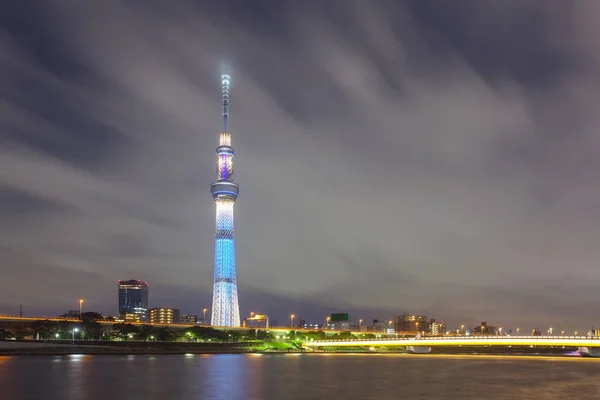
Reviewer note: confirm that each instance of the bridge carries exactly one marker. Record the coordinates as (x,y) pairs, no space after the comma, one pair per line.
(434,341)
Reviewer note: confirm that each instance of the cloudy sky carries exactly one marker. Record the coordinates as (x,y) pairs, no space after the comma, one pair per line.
(421,156)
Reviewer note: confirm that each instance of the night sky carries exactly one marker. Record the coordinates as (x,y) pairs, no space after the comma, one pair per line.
(436,157)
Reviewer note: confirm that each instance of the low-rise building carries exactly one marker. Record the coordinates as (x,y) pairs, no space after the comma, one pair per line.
(189,319)
(164,315)
(437,328)
(339,322)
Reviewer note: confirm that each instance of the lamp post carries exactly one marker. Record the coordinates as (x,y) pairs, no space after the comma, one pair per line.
(562,333)
(75,330)
(80,307)
(390,325)
(327,322)
(359,324)
(204,318)
(292,320)
(518,329)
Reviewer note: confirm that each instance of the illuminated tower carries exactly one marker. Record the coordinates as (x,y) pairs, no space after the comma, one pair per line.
(225,309)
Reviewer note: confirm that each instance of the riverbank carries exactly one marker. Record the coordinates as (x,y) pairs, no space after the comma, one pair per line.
(66,347)
(53,348)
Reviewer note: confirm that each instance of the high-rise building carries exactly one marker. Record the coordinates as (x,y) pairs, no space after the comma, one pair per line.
(411,323)
(164,316)
(225,309)
(133,300)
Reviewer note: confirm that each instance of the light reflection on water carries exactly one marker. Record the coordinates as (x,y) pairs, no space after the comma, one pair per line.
(333,376)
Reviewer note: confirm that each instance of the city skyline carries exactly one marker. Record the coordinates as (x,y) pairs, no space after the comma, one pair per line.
(396,157)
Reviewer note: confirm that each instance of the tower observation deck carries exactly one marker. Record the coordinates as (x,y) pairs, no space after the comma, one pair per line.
(225,308)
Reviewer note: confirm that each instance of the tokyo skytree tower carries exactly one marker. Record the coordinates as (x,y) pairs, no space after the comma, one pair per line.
(225,308)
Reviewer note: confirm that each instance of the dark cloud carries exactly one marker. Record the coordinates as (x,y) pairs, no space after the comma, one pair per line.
(392,156)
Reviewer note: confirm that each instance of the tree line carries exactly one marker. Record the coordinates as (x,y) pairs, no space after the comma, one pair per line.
(90,329)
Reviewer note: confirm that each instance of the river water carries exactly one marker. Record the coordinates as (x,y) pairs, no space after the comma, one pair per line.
(294,377)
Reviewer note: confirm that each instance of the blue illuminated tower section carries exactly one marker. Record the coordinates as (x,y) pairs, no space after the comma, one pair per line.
(225,309)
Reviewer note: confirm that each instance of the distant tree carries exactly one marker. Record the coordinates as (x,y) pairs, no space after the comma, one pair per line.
(91,329)
(344,335)
(250,334)
(369,336)
(164,334)
(43,329)
(5,334)
(264,335)
(64,329)
(205,333)
(234,336)
(20,331)
(145,332)
(314,335)
(125,331)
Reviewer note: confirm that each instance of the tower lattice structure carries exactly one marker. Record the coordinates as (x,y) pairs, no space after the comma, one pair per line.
(225,309)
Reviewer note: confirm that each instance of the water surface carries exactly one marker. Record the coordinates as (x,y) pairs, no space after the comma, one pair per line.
(294,377)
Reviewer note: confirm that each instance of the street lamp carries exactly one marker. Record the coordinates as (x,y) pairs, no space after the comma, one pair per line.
(359,323)
(292,320)
(390,324)
(75,330)
(562,333)
(204,318)
(57,335)
(80,306)
(518,329)
(327,321)
(462,329)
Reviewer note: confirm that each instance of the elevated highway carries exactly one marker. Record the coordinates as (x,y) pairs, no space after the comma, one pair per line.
(433,341)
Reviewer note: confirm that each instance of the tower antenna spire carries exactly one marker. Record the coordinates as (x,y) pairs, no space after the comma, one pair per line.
(225,91)
(225,309)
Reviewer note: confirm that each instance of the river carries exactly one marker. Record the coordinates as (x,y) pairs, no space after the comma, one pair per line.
(295,377)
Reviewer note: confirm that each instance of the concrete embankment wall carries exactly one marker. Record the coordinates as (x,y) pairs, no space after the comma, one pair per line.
(13,344)
(83,347)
